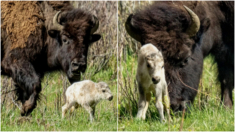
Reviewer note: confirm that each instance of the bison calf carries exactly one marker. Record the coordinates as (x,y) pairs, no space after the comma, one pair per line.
(151,78)
(87,94)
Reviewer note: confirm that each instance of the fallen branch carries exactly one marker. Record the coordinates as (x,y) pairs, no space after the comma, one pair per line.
(15,103)
(8,91)
(182,121)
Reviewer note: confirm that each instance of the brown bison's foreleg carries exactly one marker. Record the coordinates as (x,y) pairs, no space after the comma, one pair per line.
(28,85)
(224,56)
(226,78)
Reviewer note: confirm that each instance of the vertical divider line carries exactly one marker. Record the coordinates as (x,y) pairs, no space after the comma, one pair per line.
(117,64)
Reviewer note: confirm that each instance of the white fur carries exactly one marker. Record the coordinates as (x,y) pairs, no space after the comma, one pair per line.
(151,67)
(87,94)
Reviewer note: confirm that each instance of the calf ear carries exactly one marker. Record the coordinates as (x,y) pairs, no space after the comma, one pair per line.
(148,57)
(94,38)
(53,33)
(97,85)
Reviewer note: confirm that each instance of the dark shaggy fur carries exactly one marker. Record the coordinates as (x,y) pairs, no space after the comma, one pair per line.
(164,24)
(48,50)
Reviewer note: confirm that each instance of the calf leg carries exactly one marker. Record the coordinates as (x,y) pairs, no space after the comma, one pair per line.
(91,111)
(159,105)
(148,98)
(166,101)
(66,107)
(141,103)
(74,107)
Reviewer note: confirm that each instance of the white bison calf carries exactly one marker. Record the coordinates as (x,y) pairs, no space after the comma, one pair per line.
(87,94)
(151,78)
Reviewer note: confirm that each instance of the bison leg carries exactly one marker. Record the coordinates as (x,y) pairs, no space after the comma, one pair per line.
(166,101)
(28,85)
(224,56)
(66,107)
(159,105)
(226,90)
(141,103)
(226,78)
(91,111)
(29,104)
(148,98)
(73,108)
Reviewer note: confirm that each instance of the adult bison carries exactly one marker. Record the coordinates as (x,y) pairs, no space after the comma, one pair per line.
(186,32)
(59,41)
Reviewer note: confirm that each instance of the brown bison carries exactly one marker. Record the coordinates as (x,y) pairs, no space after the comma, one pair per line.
(58,41)
(186,32)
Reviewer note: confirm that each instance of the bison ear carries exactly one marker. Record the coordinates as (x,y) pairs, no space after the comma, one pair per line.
(94,38)
(53,33)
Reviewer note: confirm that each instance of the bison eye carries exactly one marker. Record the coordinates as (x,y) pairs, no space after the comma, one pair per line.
(103,91)
(65,40)
(186,60)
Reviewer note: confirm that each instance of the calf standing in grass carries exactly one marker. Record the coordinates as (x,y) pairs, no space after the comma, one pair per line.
(87,94)
(151,78)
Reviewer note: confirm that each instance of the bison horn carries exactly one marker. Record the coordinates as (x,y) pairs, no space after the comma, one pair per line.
(195,25)
(131,30)
(96,24)
(56,25)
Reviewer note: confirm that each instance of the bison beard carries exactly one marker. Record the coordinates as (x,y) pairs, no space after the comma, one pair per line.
(167,25)
(59,42)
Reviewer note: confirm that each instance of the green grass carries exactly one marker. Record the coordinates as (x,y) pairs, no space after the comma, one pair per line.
(208,119)
(207,114)
(47,115)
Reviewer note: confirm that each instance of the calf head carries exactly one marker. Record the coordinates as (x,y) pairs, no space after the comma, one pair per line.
(155,66)
(104,91)
(73,34)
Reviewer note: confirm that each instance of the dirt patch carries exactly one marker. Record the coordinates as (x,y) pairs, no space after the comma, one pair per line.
(21,120)
(20,20)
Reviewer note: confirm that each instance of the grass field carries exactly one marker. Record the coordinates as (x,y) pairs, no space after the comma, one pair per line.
(47,115)
(206,114)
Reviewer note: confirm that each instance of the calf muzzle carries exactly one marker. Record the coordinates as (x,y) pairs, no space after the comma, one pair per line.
(156,80)
(110,98)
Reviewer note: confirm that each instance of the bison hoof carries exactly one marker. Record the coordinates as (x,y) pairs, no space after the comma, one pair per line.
(163,121)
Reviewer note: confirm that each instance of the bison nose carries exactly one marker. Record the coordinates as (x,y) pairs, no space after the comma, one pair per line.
(76,65)
(155,80)
(110,98)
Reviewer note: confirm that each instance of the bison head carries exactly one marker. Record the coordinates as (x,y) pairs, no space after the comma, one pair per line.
(170,28)
(73,34)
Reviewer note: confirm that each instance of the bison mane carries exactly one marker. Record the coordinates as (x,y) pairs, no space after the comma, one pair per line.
(20,19)
(164,25)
